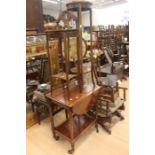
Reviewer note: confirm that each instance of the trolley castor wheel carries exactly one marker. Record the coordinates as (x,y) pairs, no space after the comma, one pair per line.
(56,138)
(97,130)
(72,149)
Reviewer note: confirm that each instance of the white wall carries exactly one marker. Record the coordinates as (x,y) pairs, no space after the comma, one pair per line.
(51,12)
(115,15)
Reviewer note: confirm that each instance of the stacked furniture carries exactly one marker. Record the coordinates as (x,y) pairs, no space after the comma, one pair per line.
(80,84)
(68,89)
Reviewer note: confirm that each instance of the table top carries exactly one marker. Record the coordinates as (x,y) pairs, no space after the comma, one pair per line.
(60,97)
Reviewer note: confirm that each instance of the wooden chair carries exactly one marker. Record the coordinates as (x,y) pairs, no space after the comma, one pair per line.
(110,103)
(111,66)
(41,105)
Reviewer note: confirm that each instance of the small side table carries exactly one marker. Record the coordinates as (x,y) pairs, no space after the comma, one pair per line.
(77,106)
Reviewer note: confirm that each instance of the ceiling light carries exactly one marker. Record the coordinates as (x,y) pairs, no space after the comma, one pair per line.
(50,1)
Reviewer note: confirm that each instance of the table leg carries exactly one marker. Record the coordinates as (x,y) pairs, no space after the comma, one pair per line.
(51,108)
(66,113)
(72,149)
(71,128)
(96,117)
(38,116)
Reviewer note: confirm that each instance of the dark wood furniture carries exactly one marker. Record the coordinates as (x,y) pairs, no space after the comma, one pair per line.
(61,40)
(110,103)
(110,66)
(34,15)
(78,121)
(124,56)
(36,70)
(110,37)
(68,20)
(71,95)
(68,90)
(41,105)
(125,49)
(78,7)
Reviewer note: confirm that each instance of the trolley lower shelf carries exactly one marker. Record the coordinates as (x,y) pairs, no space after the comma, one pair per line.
(80,125)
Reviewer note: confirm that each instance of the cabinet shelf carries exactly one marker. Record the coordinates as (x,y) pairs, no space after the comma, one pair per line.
(36,44)
(35,54)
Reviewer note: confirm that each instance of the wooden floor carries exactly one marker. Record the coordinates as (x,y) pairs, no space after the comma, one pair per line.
(40,141)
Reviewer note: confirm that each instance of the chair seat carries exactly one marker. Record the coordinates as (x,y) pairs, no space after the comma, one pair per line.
(107,68)
(113,106)
(38,96)
(118,66)
(109,80)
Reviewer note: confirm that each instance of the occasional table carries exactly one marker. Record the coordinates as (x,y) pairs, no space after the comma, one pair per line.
(78,120)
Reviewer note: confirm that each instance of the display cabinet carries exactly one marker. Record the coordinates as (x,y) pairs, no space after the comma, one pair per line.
(35,45)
